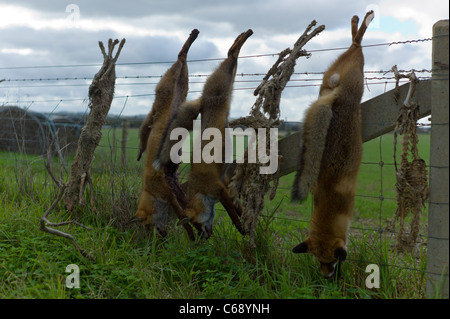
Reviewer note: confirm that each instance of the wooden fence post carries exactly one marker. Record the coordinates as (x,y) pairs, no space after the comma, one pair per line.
(438,222)
(379,115)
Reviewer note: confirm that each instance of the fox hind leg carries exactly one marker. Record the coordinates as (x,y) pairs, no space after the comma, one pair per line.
(354,24)
(362,29)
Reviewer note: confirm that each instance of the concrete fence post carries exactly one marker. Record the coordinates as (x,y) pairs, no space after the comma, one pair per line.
(438,221)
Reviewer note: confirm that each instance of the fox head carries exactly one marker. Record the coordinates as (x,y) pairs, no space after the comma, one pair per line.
(200,212)
(153,214)
(329,254)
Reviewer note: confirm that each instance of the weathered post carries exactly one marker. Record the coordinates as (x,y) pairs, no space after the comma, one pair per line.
(438,222)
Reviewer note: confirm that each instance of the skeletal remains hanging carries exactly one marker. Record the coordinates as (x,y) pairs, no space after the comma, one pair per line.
(247,183)
(412,182)
(101,93)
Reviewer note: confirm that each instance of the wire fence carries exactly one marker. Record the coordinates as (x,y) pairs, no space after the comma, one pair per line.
(244,81)
(31,82)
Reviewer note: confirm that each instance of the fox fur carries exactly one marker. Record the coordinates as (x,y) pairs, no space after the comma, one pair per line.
(206,184)
(161,190)
(331,153)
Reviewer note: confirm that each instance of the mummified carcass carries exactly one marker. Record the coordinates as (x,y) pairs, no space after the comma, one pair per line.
(331,152)
(206,184)
(161,190)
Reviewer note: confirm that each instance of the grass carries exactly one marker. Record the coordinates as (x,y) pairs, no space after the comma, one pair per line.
(134,263)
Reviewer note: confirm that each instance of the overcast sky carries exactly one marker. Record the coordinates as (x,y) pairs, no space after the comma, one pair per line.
(51,40)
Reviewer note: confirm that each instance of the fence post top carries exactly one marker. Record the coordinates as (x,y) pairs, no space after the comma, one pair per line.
(441,24)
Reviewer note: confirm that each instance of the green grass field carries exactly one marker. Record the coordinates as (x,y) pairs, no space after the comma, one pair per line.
(134,263)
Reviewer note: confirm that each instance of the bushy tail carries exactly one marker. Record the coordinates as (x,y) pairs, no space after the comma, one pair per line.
(184,118)
(314,135)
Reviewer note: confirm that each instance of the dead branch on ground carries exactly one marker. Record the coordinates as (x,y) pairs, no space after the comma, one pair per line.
(45,223)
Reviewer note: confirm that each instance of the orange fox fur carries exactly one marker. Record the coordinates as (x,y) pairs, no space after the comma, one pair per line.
(161,190)
(206,183)
(331,154)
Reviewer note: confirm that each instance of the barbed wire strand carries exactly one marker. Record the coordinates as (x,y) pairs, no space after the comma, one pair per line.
(206,59)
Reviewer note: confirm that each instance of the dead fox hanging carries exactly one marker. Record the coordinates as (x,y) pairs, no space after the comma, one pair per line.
(161,190)
(331,152)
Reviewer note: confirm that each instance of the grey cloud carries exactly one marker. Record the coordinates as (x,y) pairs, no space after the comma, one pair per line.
(286,16)
(271,21)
